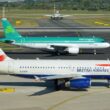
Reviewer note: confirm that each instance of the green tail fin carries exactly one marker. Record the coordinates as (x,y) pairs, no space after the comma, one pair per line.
(9,30)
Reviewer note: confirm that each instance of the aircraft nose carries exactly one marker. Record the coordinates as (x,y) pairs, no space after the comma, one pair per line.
(107,44)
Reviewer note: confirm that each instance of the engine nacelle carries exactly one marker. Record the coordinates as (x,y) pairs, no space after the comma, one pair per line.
(50,48)
(79,83)
(8,41)
(73,50)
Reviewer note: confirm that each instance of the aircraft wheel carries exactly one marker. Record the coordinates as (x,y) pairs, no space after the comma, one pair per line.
(94,52)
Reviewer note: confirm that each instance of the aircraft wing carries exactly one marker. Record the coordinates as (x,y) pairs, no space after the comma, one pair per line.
(66,15)
(52,77)
(48,15)
(64,48)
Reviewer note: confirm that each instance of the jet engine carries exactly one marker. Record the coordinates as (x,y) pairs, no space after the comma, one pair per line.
(73,50)
(8,41)
(79,83)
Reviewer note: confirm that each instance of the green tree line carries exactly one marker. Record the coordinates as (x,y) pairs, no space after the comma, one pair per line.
(61,4)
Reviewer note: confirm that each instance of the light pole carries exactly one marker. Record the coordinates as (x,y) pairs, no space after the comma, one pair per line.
(3,12)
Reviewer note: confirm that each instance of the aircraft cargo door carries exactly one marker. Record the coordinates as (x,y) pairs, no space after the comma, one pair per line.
(10,67)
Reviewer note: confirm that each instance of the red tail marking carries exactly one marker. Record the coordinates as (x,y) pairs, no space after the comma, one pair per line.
(2,57)
(102,64)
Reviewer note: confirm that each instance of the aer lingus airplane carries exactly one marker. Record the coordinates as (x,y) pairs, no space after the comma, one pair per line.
(67,73)
(58,44)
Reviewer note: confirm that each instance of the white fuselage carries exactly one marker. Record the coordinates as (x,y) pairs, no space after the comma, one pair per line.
(56,15)
(67,45)
(56,67)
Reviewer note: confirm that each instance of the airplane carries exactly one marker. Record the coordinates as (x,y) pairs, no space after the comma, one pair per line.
(72,74)
(72,45)
(56,15)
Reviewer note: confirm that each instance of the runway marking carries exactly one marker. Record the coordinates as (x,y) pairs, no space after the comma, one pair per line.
(73,98)
(96,22)
(101,23)
(106,24)
(7,90)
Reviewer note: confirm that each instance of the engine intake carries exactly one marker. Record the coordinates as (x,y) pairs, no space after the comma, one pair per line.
(73,50)
(79,83)
(8,41)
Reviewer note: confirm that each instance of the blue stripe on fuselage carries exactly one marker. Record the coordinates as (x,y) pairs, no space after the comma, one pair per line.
(98,76)
(31,76)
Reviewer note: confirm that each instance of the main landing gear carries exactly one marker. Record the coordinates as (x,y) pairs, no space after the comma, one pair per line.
(94,52)
(59,84)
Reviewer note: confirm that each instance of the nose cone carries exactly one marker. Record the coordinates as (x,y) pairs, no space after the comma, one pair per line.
(107,45)
(104,45)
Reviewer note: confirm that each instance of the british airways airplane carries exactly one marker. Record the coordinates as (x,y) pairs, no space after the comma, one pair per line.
(58,45)
(68,73)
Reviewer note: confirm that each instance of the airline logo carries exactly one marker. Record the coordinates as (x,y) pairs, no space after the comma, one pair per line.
(9,29)
(2,57)
(99,68)
(103,65)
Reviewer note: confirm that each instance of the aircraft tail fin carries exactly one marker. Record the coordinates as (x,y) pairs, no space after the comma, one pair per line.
(9,31)
(3,56)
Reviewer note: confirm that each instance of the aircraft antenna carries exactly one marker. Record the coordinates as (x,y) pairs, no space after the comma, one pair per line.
(93,36)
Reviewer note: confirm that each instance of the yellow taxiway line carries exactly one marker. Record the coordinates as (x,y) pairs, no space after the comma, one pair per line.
(73,98)
(7,90)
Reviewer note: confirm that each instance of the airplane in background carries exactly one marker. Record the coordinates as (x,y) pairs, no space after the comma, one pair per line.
(66,73)
(58,45)
(56,15)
